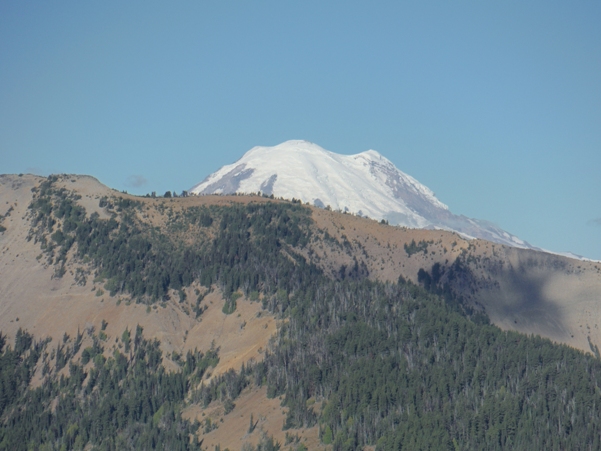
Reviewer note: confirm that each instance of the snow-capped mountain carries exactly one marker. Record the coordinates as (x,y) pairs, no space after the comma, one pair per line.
(365,184)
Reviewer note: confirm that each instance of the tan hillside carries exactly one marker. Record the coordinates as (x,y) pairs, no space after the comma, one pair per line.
(233,429)
(34,299)
(527,291)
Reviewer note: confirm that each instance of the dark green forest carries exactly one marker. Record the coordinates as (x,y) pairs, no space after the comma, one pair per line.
(128,401)
(394,365)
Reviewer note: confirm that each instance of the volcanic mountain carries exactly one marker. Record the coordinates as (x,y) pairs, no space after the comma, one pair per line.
(365,184)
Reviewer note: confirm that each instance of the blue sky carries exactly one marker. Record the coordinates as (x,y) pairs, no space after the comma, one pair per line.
(496,106)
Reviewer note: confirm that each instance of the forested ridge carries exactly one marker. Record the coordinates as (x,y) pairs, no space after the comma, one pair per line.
(370,363)
(128,401)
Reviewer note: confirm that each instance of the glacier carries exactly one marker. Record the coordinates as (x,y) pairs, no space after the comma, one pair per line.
(365,184)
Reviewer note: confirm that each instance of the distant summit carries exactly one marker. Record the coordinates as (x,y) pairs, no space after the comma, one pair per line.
(365,184)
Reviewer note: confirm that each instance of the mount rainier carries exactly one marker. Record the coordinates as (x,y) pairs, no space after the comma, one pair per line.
(365,184)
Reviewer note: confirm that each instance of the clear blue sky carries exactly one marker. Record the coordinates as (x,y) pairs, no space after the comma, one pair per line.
(496,106)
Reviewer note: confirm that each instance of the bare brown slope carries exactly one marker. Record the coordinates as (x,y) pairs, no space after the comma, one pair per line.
(523,290)
(233,429)
(32,297)
(527,291)
(539,293)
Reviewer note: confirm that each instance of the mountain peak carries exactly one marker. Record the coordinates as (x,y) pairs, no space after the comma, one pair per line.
(295,145)
(371,154)
(366,184)
(299,143)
